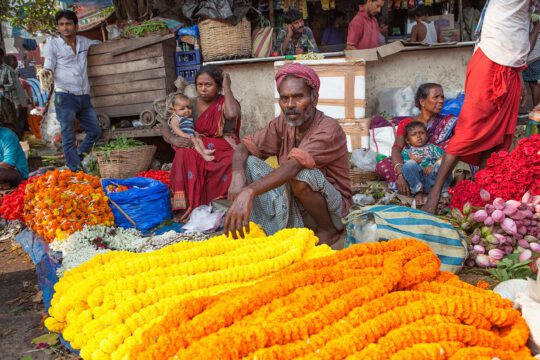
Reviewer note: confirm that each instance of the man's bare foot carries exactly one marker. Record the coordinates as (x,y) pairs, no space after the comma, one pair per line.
(209,151)
(431,203)
(419,199)
(327,236)
(208,157)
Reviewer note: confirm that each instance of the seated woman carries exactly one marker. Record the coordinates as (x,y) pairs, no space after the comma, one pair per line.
(429,99)
(216,114)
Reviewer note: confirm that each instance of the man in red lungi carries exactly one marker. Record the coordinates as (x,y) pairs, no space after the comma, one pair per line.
(488,117)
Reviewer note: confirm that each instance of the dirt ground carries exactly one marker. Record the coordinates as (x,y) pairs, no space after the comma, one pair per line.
(21,308)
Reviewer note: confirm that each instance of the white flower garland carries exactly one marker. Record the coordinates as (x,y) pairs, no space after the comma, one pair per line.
(98,239)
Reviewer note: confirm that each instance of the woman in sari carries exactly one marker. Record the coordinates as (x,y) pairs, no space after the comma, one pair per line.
(216,114)
(429,99)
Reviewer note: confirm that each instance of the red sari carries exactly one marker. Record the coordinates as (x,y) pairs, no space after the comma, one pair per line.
(195,181)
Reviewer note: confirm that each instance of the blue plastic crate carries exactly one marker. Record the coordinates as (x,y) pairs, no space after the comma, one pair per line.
(185,58)
(188,72)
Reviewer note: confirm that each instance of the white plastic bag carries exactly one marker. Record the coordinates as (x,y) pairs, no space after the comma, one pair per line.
(50,126)
(204,219)
(364,159)
(382,139)
(397,102)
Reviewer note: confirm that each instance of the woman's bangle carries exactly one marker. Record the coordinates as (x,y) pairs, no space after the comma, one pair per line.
(396,165)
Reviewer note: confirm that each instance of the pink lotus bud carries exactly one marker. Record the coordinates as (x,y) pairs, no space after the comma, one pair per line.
(498,216)
(509,226)
(535,247)
(499,204)
(501,238)
(482,261)
(492,239)
(530,238)
(475,239)
(508,249)
(510,209)
(479,249)
(536,200)
(523,243)
(522,230)
(537,209)
(527,198)
(525,255)
(489,208)
(489,221)
(518,236)
(485,195)
(480,216)
(497,254)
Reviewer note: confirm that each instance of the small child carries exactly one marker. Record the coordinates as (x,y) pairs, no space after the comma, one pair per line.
(181,124)
(421,161)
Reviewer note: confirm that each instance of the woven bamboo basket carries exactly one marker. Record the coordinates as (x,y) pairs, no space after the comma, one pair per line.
(220,40)
(360,177)
(123,164)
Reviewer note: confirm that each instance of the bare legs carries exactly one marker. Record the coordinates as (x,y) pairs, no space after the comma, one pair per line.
(315,204)
(535,92)
(447,165)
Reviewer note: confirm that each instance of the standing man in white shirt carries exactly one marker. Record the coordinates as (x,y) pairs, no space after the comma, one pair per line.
(488,117)
(66,56)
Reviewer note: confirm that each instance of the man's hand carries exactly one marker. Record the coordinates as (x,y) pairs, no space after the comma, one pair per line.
(238,182)
(427,170)
(238,215)
(226,81)
(289,30)
(403,187)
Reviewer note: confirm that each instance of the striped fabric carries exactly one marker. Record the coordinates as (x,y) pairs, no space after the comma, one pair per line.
(398,221)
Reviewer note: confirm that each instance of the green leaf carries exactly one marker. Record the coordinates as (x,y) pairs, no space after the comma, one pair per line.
(50,338)
(27,357)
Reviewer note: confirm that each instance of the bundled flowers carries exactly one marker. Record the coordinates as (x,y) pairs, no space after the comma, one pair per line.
(59,203)
(12,204)
(116,188)
(376,301)
(503,227)
(83,245)
(507,176)
(160,175)
(103,306)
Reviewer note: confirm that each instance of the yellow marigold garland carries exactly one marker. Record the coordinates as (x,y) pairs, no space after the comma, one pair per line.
(370,301)
(103,306)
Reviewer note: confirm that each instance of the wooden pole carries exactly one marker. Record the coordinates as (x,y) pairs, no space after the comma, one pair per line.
(461,20)
(271,13)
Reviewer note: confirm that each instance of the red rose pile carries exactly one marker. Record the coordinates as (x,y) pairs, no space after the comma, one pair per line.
(507,176)
(13,204)
(160,175)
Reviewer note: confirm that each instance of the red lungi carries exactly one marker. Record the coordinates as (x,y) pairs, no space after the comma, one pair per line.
(488,117)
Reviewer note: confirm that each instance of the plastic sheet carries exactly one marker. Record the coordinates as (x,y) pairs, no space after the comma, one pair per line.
(453,106)
(147,202)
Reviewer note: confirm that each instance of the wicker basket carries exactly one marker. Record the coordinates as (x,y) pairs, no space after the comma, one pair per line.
(123,164)
(220,40)
(359,177)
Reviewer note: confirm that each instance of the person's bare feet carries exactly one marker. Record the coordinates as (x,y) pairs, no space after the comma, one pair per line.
(327,236)
(431,203)
(209,151)
(419,199)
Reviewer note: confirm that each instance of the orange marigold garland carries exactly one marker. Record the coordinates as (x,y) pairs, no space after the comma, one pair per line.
(59,203)
(369,301)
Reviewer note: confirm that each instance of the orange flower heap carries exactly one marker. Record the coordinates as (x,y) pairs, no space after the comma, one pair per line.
(61,202)
(371,301)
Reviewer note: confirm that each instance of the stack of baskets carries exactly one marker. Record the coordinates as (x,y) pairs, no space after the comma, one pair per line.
(360,179)
(126,163)
(220,40)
